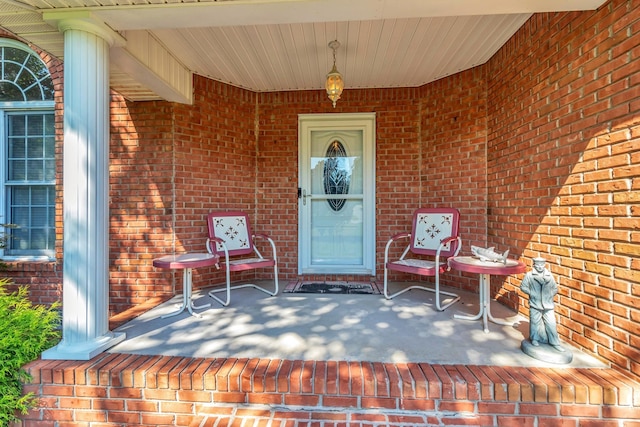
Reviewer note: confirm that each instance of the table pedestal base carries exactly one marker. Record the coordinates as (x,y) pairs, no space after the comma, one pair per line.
(187,303)
(485,307)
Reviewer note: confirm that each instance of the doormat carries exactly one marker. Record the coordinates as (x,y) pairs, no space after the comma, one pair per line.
(302,287)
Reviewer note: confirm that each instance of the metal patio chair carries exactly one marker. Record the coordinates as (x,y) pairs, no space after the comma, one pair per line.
(434,237)
(230,238)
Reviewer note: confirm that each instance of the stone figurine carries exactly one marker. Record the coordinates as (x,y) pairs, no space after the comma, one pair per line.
(489,254)
(541,288)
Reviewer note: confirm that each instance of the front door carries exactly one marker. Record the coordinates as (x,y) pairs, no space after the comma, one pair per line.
(336,194)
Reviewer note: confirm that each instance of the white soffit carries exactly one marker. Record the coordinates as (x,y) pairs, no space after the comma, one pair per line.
(280,45)
(181,14)
(373,54)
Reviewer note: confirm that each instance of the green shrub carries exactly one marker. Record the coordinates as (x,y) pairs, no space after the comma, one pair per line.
(26,331)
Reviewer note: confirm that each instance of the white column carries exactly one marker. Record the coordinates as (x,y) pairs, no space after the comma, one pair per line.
(85,281)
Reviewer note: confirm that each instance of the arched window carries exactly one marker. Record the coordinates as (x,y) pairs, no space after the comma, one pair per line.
(27,152)
(23,77)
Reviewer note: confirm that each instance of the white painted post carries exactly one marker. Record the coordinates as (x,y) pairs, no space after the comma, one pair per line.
(85,323)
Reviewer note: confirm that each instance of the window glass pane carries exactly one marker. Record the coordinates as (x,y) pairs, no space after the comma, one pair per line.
(19,239)
(15,55)
(26,79)
(20,195)
(39,196)
(35,148)
(20,217)
(10,92)
(37,67)
(17,125)
(49,170)
(47,89)
(49,123)
(49,146)
(11,71)
(51,194)
(17,148)
(35,124)
(39,217)
(35,170)
(38,238)
(33,93)
(17,170)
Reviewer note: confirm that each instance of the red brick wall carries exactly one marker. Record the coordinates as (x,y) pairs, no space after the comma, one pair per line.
(560,141)
(564,169)
(215,160)
(453,155)
(170,165)
(136,390)
(142,200)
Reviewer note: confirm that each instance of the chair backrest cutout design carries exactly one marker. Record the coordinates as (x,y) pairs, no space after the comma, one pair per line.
(430,227)
(234,229)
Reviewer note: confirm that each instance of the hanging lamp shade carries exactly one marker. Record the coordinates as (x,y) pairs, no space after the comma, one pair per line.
(335,83)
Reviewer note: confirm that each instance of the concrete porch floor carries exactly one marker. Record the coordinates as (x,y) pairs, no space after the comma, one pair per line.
(342,327)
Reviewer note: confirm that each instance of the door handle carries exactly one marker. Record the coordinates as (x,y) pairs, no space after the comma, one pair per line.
(304,197)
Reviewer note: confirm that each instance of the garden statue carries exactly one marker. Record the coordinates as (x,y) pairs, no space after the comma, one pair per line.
(543,342)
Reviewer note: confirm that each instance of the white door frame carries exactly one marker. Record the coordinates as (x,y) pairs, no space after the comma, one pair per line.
(307,123)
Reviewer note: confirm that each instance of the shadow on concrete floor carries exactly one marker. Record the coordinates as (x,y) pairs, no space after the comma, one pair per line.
(348,327)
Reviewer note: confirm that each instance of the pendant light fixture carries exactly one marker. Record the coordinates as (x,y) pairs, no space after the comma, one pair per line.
(335,83)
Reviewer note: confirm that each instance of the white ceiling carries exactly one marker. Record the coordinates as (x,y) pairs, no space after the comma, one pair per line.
(373,53)
(280,45)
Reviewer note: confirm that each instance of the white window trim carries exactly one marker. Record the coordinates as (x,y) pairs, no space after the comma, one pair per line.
(3,194)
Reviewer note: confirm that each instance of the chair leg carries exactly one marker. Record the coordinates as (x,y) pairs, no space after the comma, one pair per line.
(386,287)
(437,291)
(275,279)
(229,288)
(456,297)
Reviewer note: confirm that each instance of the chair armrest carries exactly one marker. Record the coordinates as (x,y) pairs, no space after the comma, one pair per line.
(214,239)
(400,236)
(213,252)
(449,239)
(444,242)
(393,239)
(267,238)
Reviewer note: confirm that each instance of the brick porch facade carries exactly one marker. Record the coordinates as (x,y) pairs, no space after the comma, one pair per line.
(538,148)
(131,390)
